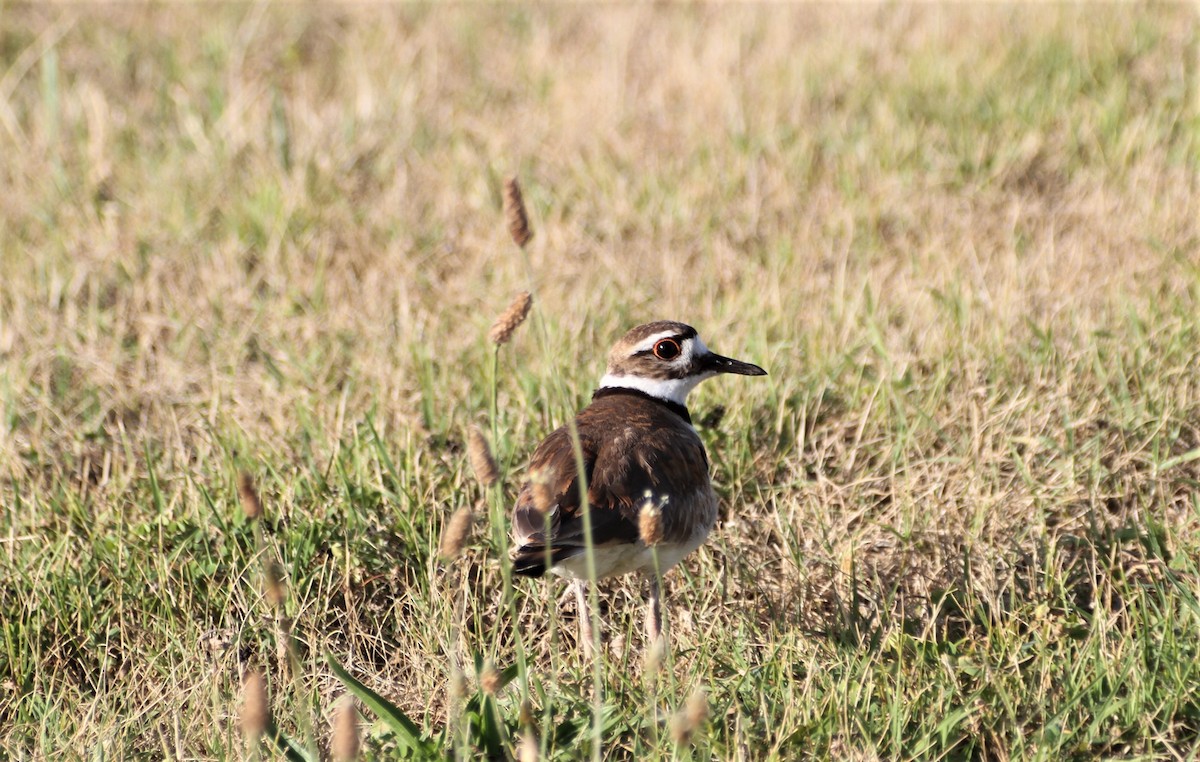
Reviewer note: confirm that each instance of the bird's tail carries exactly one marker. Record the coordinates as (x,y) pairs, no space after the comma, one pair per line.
(530,560)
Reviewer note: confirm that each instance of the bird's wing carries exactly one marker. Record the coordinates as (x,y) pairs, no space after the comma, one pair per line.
(621,471)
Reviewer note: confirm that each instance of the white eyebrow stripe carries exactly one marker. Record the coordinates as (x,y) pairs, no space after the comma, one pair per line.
(649,342)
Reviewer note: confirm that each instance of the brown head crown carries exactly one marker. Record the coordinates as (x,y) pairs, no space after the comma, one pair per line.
(666,360)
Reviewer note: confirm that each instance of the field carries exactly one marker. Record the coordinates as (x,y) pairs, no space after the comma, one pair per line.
(960,517)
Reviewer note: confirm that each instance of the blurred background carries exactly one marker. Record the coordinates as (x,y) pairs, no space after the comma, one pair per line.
(262,238)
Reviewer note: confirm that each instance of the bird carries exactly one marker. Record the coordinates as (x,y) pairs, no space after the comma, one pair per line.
(642,464)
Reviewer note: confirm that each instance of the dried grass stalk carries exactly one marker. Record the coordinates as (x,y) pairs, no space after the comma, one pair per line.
(482,462)
(505,325)
(514,213)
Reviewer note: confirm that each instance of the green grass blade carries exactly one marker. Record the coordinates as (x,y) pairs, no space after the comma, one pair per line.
(289,748)
(406,730)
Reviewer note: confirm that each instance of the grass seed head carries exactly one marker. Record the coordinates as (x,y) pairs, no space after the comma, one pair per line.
(650,524)
(525,717)
(528,750)
(691,718)
(543,493)
(505,325)
(482,462)
(456,533)
(284,644)
(514,213)
(489,679)
(456,688)
(251,503)
(655,653)
(697,707)
(345,743)
(274,586)
(256,714)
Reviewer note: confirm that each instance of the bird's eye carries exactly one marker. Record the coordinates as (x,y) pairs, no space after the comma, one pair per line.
(667,349)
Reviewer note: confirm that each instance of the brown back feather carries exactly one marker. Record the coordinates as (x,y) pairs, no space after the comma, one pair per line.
(631,446)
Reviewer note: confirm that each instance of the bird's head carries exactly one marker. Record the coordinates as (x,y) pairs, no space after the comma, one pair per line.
(667,360)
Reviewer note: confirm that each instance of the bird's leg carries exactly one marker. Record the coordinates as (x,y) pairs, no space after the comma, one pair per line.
(585,617)
(653,610)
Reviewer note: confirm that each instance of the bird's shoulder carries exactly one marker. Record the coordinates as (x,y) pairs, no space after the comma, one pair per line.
(643,446)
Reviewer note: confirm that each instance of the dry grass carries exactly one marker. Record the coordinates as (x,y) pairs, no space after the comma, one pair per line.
(960,517)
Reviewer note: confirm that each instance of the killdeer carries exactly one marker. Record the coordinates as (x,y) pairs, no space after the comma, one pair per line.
(638,449)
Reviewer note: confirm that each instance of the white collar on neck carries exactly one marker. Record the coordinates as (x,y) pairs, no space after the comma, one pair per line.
(670,389)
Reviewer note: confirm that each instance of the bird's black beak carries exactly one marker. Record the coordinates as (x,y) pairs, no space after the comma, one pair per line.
(719,364)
